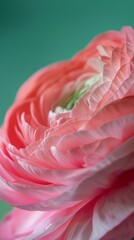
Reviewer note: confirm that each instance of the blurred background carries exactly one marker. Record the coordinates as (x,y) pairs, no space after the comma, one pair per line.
(35,33)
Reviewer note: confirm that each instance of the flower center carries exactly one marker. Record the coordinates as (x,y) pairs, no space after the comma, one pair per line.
(70,101)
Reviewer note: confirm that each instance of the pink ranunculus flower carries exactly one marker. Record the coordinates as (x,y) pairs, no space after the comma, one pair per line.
(67,146)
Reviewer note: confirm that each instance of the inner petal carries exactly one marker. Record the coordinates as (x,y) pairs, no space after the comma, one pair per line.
(77,93)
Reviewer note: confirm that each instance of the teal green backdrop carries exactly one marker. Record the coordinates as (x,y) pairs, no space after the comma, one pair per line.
(35,33)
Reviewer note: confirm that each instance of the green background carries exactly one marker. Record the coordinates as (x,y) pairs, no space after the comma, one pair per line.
(34,33)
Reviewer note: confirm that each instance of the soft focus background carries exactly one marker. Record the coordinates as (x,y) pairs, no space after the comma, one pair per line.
(35,33)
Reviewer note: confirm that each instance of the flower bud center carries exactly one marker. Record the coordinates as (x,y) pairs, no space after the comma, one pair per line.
(71,100)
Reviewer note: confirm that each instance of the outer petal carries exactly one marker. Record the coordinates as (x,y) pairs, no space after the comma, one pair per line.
(28,225)
(103,218)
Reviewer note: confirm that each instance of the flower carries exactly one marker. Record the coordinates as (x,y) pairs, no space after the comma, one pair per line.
(66,147)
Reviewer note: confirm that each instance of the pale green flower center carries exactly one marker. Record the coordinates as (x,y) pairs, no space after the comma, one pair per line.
(71,100)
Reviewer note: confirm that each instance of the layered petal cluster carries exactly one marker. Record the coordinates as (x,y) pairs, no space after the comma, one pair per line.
(67,147)
(107,217)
